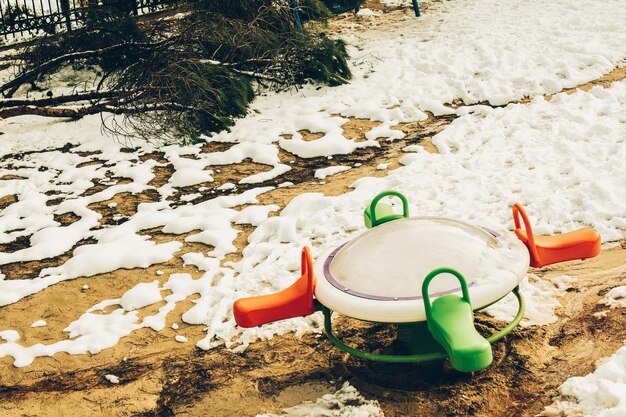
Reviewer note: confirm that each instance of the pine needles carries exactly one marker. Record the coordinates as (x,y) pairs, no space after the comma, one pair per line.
(179,78)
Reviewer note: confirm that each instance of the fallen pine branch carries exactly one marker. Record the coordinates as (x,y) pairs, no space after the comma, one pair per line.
(64,99)
(77,113)
(32,74)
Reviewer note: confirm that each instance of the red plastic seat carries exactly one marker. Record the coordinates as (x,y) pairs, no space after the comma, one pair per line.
(294,301)
(546,250)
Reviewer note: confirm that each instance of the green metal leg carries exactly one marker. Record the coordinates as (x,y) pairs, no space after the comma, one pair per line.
(512,325)
(375,356)
(412,336)
(415,339)
(296,13)
(416,8)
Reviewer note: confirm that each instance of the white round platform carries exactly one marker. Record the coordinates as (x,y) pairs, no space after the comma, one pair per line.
(378,276)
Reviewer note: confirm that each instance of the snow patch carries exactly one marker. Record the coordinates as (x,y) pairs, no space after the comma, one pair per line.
(367,12)
(601,393)
(140,296)
(10,336)
(112,379)
(541,296)
(346,402)
(327,172)
(616,298)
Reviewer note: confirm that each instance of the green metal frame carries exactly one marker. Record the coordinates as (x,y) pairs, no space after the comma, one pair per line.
(371,210)
(415,331)
(431,276)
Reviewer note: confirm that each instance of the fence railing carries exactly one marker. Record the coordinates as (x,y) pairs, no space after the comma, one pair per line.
(22,18)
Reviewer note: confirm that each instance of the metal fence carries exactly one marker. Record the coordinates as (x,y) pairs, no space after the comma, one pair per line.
(21,18)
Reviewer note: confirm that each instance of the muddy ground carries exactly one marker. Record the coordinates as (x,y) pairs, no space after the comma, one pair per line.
(159,376)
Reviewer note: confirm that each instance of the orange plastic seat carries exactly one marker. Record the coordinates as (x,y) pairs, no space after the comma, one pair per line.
(294,301)
(545,250)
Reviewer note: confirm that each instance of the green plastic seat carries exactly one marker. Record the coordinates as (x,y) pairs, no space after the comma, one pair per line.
(383,213)
(450,320)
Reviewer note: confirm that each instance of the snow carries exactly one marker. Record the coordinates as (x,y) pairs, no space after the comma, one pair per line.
(227,186)
(187,176)
(328,171)
(542,299)
(599,394)
(90,333)
(367,12)
(39,323)
(615,298)
(89,260)
(346,402)
(190,197)
(140,296)
(563,160)
(181,339)
(10,336)
(112,379)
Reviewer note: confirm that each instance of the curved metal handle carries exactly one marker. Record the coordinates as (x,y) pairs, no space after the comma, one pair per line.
(431,276)
(374,203)
(518,211)
(306,268)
